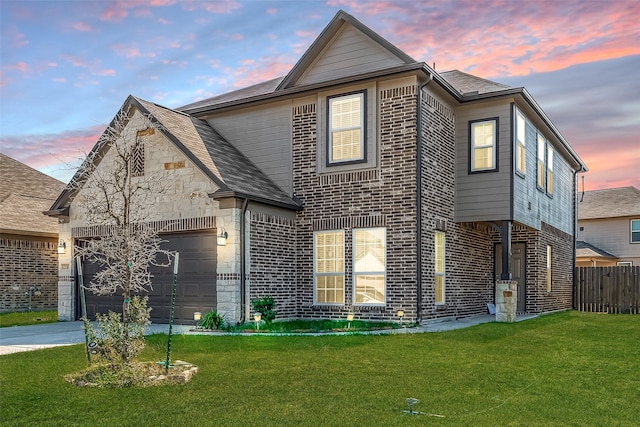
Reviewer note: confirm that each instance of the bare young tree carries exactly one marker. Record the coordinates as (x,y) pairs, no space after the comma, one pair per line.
(115,195)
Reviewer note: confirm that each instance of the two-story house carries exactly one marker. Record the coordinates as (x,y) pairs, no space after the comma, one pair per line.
(609,228)
(362,182)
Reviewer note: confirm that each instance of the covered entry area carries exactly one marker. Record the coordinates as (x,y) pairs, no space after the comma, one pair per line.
(196,290)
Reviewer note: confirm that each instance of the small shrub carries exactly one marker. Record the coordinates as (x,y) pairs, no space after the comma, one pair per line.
(116,343)
(211,320)
(265,306)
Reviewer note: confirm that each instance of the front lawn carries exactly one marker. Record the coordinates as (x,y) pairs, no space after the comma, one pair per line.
(22,318)
(564,369)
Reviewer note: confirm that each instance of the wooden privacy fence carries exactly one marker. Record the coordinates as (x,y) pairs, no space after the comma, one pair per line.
(607,289)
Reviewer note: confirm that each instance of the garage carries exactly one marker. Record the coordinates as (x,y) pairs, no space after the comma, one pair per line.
(196,284)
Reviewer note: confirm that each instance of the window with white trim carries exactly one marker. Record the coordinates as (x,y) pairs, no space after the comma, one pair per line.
(483,145)
(635,231)
(328,267)
(521,157)
(541,164)
(346,129)
(548,275)
(369,265)
(624,264)
(549,169)
(439,245)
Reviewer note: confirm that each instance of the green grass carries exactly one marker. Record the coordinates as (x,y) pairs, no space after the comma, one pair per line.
(566,369)
(27,318)
(312,326)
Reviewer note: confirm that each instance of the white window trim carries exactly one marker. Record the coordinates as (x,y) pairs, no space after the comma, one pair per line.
(631,231)
(316,274)
(541,144)
(442,274)
(364,273)
(549,169)
(624,264)
(521,143)
(493,145)
(362,127)
(548,274)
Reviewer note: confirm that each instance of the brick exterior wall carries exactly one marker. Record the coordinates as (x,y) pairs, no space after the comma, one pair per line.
(28,262)
(468,250)
(381,197)
(272,265)
(538,300)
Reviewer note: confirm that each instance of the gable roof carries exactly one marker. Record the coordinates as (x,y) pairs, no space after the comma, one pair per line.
(587,250)
(610,203)
(233,173)
(25,194)
(326,37)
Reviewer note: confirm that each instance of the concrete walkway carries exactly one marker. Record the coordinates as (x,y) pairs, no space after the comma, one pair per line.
(34,337)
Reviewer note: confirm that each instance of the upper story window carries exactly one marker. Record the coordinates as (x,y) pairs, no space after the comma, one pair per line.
(541,164)
(328,267)
(549,169)
(346,129)
(369,265)
(521,158)
(483,145)
(635,231)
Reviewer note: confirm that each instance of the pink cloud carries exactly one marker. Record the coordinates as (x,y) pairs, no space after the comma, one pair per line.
(272,11)
(82,26)
(94,66)
(38,151)
(19,66)
(130,51)
(14,38)
(521,37)
(59,80)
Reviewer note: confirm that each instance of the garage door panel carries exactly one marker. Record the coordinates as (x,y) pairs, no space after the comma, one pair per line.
(196,284)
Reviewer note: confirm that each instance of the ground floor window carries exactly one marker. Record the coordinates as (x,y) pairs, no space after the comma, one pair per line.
(548,268)
(328,267)
(439,244)
(369,265)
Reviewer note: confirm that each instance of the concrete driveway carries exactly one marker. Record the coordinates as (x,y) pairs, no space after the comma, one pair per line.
(34,337)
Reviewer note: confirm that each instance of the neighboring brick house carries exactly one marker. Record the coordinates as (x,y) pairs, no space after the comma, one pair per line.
(609,228)
(28,239)
(362,182)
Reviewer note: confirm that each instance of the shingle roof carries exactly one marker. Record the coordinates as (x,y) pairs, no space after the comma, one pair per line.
(610,203)
(587,250)
(233,173)
(467,83)
(24,194)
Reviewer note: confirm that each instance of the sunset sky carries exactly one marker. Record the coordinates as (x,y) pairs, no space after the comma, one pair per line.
(67,66)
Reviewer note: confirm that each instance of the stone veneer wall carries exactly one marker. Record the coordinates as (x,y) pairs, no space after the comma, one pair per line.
(26,262)
(468,250)
(381,197)
(538,300)
(272,266)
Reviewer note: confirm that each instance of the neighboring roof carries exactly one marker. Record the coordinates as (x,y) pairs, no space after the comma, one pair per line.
(233,173)
(610,203)
(25,194)
(468,84)
(586,250)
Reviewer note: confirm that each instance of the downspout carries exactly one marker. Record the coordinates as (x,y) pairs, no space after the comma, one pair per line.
(419,199)
(575,236)
(243,271)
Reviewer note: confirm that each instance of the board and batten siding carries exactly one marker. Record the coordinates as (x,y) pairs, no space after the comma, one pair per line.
(484,196)
(263,134)
(532,206)
(349,53)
